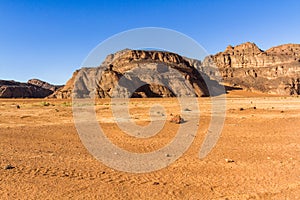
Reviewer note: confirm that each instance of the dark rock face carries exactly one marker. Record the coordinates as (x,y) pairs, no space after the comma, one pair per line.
(32,89)
(139,73)
(274,71)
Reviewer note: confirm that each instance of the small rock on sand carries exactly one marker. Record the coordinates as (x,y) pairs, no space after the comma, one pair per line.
(7,167)
(177,119)
(229,160)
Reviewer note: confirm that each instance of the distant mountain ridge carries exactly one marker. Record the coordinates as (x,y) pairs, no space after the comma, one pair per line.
(34,88)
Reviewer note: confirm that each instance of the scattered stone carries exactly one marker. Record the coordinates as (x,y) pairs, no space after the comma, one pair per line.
(8,167)
(254,107)
(186,109)
(18,107)
(229,160)
(24,116)
(168,155)
(177,119)
(241,109)
(45,103)
(156,183)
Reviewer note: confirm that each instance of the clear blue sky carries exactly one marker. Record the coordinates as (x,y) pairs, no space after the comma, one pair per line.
(50,39)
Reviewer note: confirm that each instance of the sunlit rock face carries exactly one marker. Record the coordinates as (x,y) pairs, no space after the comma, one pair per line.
(140,73)
(275,71)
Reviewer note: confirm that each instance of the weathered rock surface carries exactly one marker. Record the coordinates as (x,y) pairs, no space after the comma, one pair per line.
(274,71)
(43,84)
(65,92)
(139,73)
(32,89)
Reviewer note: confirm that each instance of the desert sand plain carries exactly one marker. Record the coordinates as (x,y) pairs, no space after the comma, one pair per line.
(40,142)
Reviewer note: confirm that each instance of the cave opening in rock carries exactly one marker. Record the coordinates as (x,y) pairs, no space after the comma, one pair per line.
(152,91)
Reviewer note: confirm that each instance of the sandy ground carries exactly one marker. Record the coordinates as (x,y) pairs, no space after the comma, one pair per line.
(41,142)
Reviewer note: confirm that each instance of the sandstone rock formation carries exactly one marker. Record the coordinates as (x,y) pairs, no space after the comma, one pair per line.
(32,89)
(65,92)
(43,84)
(274,71)
(139,73)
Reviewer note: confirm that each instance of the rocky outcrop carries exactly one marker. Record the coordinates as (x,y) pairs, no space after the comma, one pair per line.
(274,71)
(43,84)
(32,89)
(65,92)
(139,73)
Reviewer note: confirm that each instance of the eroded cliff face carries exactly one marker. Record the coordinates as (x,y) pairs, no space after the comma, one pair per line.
(274,71)
(43,84)
(139,73)
(65,92)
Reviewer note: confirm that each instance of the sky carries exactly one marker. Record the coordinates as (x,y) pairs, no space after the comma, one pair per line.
(49,40)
